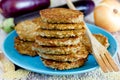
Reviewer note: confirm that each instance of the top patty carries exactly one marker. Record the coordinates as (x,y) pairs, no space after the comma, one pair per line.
(61,15)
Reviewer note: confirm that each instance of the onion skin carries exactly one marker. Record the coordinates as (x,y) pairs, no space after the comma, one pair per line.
(107,15)
(14,8)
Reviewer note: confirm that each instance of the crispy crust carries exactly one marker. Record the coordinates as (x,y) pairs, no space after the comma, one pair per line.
(26,30)
(60,34)
(57,42)
(63,65)
(65,57)
(44,25)
(61,15)
(101,38)
(24,47)
(59,50)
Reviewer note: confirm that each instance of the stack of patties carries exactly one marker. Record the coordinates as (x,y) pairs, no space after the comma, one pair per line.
(59,38)
(26,31)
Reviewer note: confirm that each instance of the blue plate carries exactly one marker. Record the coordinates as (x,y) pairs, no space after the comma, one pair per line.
(35,64)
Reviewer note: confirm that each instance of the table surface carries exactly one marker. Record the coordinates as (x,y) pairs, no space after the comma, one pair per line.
(87,76)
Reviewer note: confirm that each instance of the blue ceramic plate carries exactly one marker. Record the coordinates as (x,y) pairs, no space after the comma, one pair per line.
(35,64)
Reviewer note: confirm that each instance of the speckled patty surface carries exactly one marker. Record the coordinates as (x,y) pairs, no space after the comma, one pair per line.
(58,42)
(65,57)
(24,47)
(60,34)
(64,26)
(61,15)
(26,30)
(73,49)
(63,65)
(101,38)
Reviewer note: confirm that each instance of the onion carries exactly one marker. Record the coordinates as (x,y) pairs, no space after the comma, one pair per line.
(107,15)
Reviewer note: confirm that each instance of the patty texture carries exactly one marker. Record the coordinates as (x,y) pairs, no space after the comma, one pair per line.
(24,47)
(57,42)
(73,49)
(101,38)
(60,34)
(26,30)
(82,54)
(63,65)
(61,15)
(50,26)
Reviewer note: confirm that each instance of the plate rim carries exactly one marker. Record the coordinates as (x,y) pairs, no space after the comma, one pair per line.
(58,73)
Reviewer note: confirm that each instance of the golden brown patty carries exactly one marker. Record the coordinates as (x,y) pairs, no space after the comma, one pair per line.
(26,30)
(65,57)
(57,42)
(61,15)
(63,65)
(59,50)
(60,34)
(44,25)
(24,47)
(101,38)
